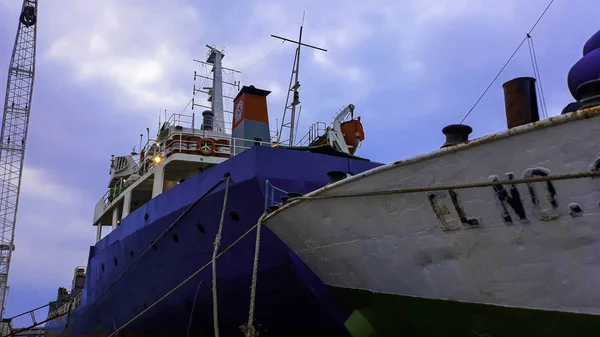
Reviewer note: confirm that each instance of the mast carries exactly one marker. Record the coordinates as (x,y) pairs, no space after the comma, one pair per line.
(214,58)
(13,137)
(293,89)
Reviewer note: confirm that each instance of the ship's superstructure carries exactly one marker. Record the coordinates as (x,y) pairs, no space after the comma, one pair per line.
(184,145)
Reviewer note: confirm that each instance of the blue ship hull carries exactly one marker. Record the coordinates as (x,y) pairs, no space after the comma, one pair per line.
(290,299)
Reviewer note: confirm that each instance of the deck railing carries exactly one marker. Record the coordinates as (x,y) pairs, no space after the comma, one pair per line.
(315,131)
(167,147)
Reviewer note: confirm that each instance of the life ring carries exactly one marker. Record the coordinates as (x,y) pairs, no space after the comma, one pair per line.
(206,146)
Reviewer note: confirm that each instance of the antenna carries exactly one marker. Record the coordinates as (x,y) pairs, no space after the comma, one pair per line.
(141,149)
(293,88)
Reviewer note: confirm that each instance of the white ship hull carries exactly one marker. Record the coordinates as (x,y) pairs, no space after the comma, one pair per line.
(416,244)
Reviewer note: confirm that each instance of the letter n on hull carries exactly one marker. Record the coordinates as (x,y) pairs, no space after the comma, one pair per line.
(510,198)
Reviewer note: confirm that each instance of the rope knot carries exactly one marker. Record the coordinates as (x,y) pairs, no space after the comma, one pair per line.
(249,331)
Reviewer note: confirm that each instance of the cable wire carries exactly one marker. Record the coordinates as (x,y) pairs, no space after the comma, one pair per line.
(536,71)
(507,62)
(263,58)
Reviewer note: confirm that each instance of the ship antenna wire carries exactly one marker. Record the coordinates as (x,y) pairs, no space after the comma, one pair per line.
(507,62)
(263,58)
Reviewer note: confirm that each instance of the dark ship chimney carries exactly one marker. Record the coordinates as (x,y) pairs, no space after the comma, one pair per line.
(207,120)
(456,134)
(520,101)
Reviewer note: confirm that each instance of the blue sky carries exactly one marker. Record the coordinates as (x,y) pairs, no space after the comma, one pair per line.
(105,68)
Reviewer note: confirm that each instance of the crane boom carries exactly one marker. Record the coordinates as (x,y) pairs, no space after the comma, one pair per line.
(13,137)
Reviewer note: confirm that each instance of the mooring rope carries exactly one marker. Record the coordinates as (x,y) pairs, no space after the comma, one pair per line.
(185,212)
(184,281)
(250,331)
(579,175)
(217,244)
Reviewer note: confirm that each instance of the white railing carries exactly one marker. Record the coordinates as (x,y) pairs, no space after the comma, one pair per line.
(186,121)
(195,121)
(170,146)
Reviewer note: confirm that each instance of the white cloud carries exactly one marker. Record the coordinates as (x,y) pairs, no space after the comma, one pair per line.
(12,7)
(48,247)
(53,231)
(140,51)
(350,73)
(143,50)
(277,91)
(42,186)
(555,101)
(437,11)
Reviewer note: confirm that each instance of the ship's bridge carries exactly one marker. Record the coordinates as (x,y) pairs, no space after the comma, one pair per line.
(180,150)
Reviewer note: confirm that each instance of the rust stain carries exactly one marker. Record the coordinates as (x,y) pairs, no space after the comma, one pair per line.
(548,217)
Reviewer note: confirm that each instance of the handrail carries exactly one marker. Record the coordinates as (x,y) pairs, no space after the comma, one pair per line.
(270,190)
(316,130)
(6,323)
(154,147)
(191,122)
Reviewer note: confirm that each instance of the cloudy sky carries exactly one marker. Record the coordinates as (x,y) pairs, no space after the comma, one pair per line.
(105,68)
